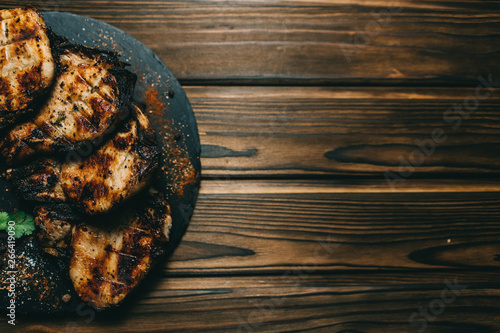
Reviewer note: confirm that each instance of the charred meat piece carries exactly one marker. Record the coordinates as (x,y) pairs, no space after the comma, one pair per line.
(55,225)
(96,184)
(27,66)
(39,181)
(84,104)
(120,169)
(107,259)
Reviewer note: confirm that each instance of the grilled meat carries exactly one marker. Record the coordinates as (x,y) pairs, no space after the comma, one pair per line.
(84,104)
(27,66)
(38,181)
(107,258)
(120,169)
(116,171)
(55,225)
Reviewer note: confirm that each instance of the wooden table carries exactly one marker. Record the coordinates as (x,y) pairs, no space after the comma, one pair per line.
(350,167)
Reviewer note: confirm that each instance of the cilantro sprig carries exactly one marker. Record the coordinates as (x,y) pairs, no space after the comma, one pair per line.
(24,223)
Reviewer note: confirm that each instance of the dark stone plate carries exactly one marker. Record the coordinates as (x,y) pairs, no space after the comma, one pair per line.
(175,127)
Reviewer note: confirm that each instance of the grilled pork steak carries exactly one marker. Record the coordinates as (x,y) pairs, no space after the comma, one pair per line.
(27,66)
(107,259)
(83,105)
(55,225)
(116,171)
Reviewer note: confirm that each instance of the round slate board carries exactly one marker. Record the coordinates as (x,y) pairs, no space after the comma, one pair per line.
(170,114)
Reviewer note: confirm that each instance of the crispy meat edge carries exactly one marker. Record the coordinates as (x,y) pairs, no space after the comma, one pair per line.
(11,119)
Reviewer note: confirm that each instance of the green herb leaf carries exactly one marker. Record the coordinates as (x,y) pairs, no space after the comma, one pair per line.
(24,223)
(4,218)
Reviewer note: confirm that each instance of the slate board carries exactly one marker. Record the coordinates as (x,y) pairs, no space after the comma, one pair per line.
(178,114)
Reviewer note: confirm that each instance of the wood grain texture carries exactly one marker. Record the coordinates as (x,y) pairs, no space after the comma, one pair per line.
(319,303)
(333,131)
(264,233)
(314,42)
(363,185)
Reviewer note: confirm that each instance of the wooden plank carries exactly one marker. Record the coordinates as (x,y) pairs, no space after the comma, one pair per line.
(324,303)
(330,186)
(272,231)
(304,131)
(314,42)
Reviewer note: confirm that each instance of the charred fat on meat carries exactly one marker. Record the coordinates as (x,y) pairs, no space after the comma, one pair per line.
(83,105)
(27,66)
(116,171)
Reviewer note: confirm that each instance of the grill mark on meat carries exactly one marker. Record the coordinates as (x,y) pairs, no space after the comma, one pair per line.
(112,174)
(122,142)
(16,44)
(81,110)
(27,63)
(93,190)
(39,181)
(14,50)
(45,129)
(4,87)
(23,35)
(88,124)
(100,159)
(31,80)
(14,34)
(81,80)
(84,125)
(108,79)
(99,106)
(126,267)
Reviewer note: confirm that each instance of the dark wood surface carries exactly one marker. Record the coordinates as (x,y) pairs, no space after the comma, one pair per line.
(302,121)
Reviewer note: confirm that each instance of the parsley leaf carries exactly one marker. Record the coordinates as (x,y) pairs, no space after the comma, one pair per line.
(24,223)
(4,218)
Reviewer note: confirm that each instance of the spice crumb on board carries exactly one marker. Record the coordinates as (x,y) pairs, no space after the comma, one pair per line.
(176,162)
(154,105)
